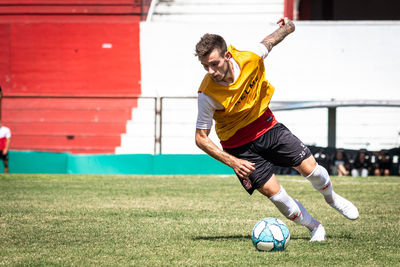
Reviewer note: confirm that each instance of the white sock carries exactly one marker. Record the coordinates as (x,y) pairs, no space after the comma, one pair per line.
(321,181)
(306,219)
(293,210)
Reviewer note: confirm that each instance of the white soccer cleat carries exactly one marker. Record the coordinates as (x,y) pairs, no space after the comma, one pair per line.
(345,207)
(318,234)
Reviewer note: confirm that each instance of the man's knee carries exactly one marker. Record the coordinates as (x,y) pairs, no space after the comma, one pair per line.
(307,166)
(319,178)
(271,187)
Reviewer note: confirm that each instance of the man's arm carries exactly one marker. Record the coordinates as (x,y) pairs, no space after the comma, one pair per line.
(286,27)
(242,168)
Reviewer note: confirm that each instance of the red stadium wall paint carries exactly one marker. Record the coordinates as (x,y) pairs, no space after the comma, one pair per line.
(74,7)
(86,56)
(76,125)
(70,59)
(288,9)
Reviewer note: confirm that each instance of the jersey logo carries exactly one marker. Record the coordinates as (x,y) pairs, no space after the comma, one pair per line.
(247,91)
(247,184)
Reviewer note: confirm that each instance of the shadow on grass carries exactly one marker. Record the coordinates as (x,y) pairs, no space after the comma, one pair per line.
(222,237)
(237,237)
(347,236)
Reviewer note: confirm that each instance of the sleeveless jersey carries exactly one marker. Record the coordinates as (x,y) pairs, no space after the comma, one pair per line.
(245,100)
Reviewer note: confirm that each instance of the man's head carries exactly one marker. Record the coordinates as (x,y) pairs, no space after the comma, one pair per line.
(208,43)
(213,55)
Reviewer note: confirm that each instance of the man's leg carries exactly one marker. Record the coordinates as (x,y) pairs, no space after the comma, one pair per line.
(319,178)
(4,157)
(292,209)
(5,166)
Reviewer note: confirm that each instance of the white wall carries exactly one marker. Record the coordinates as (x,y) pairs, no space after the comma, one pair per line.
(319,61)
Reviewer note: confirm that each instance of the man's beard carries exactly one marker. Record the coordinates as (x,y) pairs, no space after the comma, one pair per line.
(223,77)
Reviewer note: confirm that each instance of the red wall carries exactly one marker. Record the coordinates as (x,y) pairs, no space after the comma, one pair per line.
(69,56)
(85,125)
(74,7)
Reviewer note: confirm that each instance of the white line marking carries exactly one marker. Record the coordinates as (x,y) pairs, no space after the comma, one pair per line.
(340,182)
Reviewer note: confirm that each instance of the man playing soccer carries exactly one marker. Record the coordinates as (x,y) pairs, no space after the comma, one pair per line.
(236,95)
(5,138)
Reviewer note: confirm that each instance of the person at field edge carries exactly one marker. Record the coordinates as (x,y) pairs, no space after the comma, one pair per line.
(340,164)
(5,139)
(235,93)
(383,164)
(362,165)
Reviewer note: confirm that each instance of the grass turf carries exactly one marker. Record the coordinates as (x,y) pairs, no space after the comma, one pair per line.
(186,220)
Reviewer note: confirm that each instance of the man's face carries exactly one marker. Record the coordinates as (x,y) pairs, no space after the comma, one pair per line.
(217,66)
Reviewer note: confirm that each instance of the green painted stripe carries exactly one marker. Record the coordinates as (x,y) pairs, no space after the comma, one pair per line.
(49,162)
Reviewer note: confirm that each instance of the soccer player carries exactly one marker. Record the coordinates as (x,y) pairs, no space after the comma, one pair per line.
(235,93)
(5,138)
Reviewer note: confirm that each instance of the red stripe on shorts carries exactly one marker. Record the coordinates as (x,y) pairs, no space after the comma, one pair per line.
(252,131)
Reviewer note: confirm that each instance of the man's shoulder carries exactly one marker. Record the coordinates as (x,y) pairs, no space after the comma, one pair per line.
(254,52)
(205,83)
(234,51)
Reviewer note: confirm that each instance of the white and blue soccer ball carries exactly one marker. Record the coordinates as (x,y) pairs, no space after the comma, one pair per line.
(270,234)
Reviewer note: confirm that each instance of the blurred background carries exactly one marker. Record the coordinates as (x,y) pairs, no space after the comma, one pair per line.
(119,77)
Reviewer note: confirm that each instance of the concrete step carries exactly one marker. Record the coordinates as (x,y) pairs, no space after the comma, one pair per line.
(270,18)
(135,150)
(142,116)
(225,2)
(140,129)
(218,9)
(129,141)
(136,145)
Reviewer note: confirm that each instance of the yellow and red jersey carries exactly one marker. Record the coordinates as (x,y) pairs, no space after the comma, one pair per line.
(245,101)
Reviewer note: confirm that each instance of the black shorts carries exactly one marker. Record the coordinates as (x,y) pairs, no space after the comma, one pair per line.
(3,157)
(277,147)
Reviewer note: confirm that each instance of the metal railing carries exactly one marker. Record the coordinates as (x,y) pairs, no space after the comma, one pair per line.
(174,117)
(155,99)
(332,106)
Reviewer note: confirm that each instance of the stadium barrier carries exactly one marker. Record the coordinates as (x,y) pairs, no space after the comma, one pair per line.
(163,164)
(67,163)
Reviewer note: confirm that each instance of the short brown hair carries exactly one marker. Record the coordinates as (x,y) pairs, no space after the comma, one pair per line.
(208,43)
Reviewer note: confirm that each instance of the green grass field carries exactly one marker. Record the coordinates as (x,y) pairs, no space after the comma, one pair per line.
(52,220)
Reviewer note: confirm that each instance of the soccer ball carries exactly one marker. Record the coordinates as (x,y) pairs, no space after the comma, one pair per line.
(270,234)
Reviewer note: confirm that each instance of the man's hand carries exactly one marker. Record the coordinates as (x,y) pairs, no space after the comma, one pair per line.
(242,168)
(287,23)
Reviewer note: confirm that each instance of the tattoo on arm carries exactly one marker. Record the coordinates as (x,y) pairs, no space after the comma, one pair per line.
(268,44)
(277,36)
